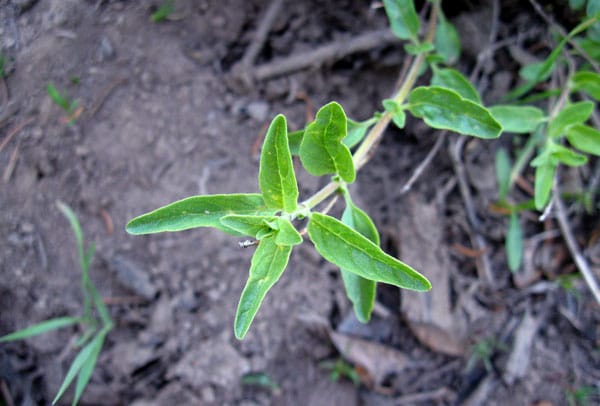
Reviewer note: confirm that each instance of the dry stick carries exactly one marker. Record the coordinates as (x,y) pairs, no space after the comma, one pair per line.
(261,34)
(436,396)
(105,95)
(4,90)
(332,51)
(12,162)
(15,131)
(6,393)
(538,9)
(580,261)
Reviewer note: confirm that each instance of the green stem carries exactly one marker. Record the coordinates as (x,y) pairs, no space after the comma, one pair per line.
(362,154)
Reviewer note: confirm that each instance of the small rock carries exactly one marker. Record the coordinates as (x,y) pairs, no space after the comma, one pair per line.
(258,110)
(105,51)
(133,276)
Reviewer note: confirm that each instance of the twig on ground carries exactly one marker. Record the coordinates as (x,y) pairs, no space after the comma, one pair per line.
(333,51)
(436,396)
(12,162)
(4,88)
(484,266)
(15,131)
(6,396)
(550,21)
(580,261)
(108,223)
(424,163)
(261,33)
(105,95)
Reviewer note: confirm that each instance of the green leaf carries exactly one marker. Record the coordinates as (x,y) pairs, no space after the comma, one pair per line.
(359,290)
(397,111)
(79,361)
(58,98)
(590,47)
(418,48)
(588,82)
(356,132)
(276,176)
(576,113)
(321,150)
(268,263)
(502,173)
(76,227)
(584,138)
(287,233)
(454,80)
(88,367)
(518,119)
(445,109)
(40,328)
(514,243)
(198,211)
(295,139)
(248,225)
(592,10)
(403,18)
(346,248)
(566,156)
(544,178)
(166,9)
(447,41)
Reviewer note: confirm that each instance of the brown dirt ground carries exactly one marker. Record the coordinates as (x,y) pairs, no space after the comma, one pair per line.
(162,120)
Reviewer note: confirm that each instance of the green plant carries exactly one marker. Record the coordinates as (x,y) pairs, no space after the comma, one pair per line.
(274,216)
(581,396)
(483,351)
(558,135)
(63,101)
(2,66)
(95,320)
(341,369)
(163,11)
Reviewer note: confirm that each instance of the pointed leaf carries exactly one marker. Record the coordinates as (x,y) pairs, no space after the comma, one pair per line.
(40,328)
(83,355)
(359,290)
(268,263)
(566,156)
(588,82)
(576,113)
(404,21)
(88,367)
(514,243)
(57,98)
(447,41)
(348,249)
(276,176)
(418,48)
(287,233)
(322,151)
(75,226)
(198,211)
(544,178)
(248,225)
(397,111)
(356,132)
(445,109)
(584,138)
(518,119)
(502,173)
(454,80)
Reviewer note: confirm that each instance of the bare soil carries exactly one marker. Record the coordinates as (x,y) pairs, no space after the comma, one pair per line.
(165,116)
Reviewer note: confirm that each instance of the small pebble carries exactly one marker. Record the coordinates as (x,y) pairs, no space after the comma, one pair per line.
(258,110)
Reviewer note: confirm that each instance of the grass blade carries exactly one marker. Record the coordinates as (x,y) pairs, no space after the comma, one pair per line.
(40,328)
(88,367)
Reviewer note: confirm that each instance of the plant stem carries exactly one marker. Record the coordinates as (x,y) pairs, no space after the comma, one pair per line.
(362,154)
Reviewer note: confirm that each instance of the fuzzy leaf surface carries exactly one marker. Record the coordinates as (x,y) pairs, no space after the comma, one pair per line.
(517,119)
(248,225)
(268,263)
(276,177)
(514,243)
(576,113)
(584,138)
(454,80)
(587,81)
(445,109)
(360,291)
(447,41)
(346,248)
(198,211)
(287,233)
(403,18)
(322,151)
